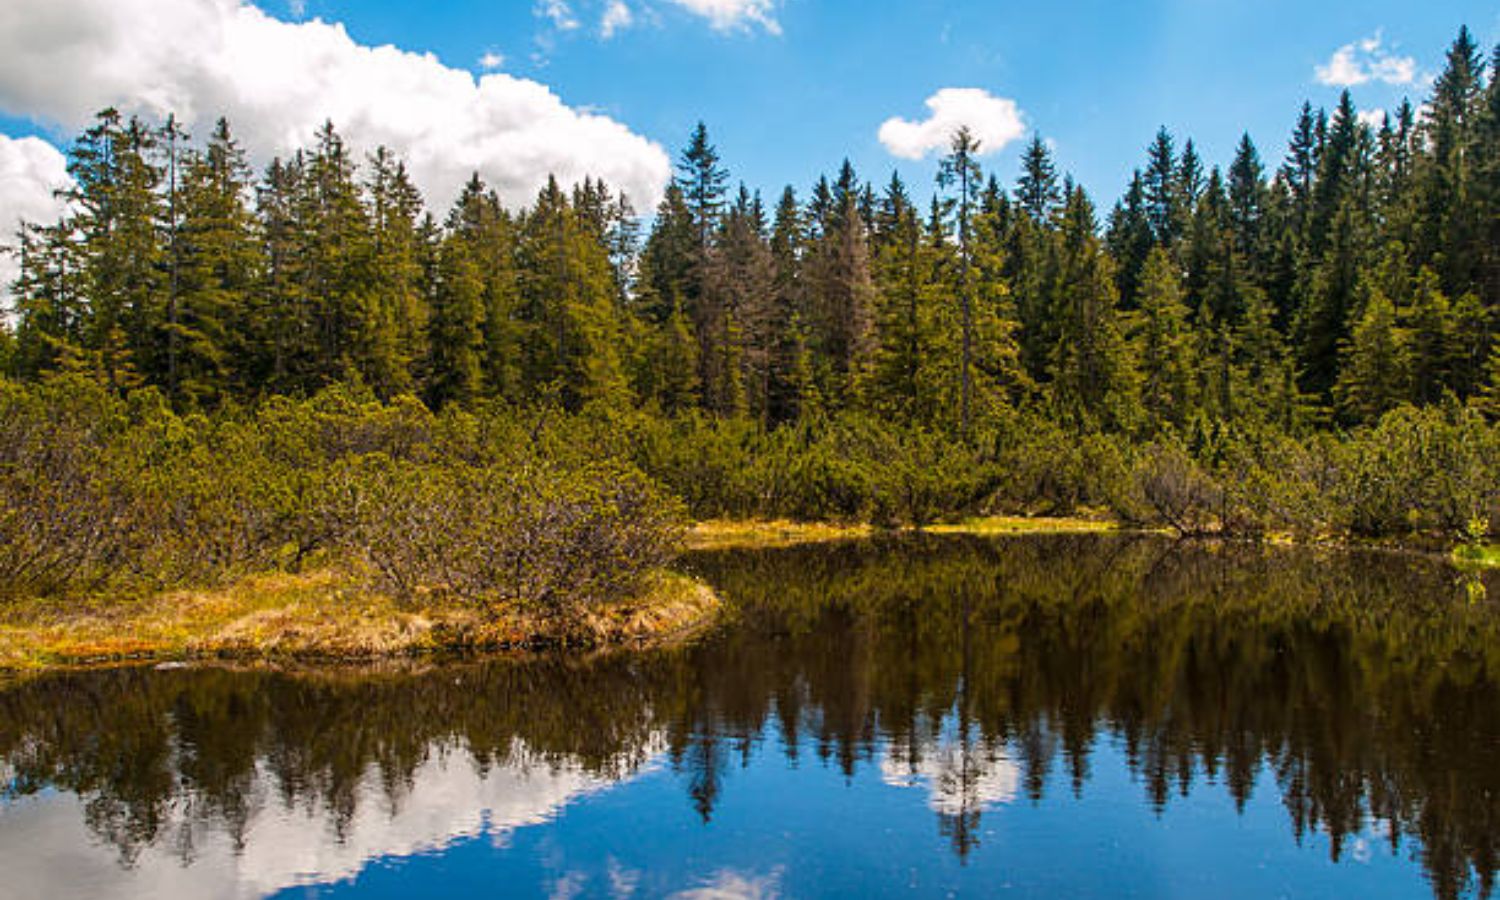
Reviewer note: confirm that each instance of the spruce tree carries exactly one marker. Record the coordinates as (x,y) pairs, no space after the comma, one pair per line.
(1375,375)
(960,170)
(1163,342)
(1037,191)
(217,266)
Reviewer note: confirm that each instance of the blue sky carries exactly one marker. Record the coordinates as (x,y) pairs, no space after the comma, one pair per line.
(788,87)
(1095,77)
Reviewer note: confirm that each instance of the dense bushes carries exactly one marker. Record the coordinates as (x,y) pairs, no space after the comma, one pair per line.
(99,493)
(549,509)
(1433,471)
(538,535)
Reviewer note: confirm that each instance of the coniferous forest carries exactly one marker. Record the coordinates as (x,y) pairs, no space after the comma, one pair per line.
(1301,338)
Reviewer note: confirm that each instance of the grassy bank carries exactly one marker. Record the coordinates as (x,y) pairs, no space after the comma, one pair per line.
(326,615)
(746,534)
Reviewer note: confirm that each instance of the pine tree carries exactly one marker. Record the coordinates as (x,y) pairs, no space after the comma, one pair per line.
(478,218)
(217,266)
(120,253)
(787,246)
(1092,373)
(573,336)
(702,182)
(1037,192)
(960,169)
(49,299)
(1432,340)
(1164,198)
(400,311)
(1129,240)
(1450,230)
(1247,202)
(1163,343)
(1375,372)
(334,240)
(455,368)
(841,301)
(281,328)
(1487,400)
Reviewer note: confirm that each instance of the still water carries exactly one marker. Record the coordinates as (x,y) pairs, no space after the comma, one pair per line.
(1048,716)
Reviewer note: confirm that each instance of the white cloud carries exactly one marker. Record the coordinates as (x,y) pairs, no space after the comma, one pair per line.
(1372,118)
(1364,61)
(559,12)
(278,81)
(734,15)
(995,121)
(491,60)
(31,171)
(616,16)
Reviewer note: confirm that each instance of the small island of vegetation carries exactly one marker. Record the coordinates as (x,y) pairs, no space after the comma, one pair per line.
(297,414)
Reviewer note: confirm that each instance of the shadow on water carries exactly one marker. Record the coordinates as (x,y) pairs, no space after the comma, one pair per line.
(1364,684)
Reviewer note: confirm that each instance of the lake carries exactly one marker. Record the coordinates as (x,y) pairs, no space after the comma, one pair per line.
(1063,715)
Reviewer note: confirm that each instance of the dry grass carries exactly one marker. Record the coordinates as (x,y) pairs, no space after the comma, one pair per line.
(749,534)
(1022,525)
(322,615)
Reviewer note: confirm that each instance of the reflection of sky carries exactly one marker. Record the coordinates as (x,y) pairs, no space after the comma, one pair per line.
(449,799)
(780,829)
(954,781)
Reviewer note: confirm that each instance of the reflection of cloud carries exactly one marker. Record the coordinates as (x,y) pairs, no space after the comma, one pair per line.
(622,881)
(449,799)
(568,886)
(954,785)
(727,884)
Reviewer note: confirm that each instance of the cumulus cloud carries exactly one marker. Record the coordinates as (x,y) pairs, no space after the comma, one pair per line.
(734,15)
(616,16)
(31,172)
(1371,117)
(1364,61)
(278,81)
(995,121)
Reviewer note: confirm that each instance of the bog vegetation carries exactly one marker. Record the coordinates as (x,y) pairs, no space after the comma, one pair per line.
(213,371)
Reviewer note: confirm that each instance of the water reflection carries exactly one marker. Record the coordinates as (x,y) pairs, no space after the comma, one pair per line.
(969,675)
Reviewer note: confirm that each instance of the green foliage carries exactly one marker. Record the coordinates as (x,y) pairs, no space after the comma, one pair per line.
(100,492)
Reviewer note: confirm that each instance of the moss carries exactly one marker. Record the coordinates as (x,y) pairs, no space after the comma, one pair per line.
(326,615)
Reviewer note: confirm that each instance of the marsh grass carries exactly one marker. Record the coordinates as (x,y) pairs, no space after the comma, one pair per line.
(326,615)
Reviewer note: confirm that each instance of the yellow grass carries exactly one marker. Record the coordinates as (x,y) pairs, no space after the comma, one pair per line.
(1023,525)
(322,615)
(749,534)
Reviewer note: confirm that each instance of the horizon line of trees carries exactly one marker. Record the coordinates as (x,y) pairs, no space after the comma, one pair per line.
(1360,274)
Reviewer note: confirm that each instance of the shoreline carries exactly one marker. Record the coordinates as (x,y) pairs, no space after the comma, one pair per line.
(324,617)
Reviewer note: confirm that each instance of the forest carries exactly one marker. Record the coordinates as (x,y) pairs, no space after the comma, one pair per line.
(1299,346)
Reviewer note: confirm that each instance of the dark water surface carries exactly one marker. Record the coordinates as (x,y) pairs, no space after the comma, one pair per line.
(1050,716)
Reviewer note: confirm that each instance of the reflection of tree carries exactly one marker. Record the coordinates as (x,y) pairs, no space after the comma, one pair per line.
(976,669)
